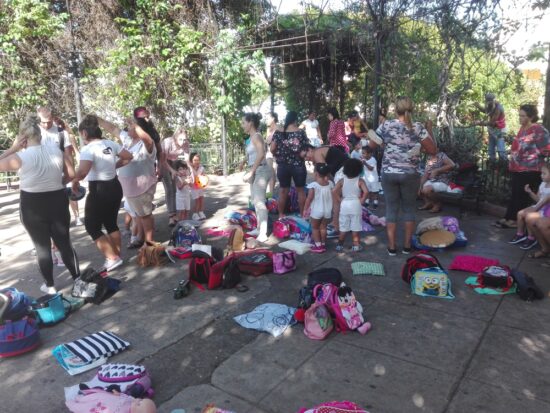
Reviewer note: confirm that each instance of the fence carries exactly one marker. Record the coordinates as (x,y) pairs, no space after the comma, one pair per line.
(212,160)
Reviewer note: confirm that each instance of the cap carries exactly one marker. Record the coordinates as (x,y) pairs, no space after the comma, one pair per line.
(489,96)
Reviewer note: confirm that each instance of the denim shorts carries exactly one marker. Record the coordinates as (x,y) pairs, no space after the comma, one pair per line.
(288,173)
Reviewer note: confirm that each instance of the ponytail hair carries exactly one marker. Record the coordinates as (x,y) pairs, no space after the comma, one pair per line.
(254,118)
(291,117)
(90,124)
(404,107)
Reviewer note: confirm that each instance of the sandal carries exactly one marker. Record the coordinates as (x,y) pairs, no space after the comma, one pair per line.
(538,254)
(135,245)
(435,210)
(505,224)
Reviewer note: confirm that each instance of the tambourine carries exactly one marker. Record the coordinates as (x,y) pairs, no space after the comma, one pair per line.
(78,196)
(201,181)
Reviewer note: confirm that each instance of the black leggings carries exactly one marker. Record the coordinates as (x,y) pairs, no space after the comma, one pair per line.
(45,216)
(102,205)
(520,199)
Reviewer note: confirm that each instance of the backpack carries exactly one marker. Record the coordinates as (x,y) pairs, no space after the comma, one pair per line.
(431,282)
(243,217)
(152,254)
(496,276)
(61,134)
(131,379)
(91,286)
(335,407)
(317,322)
(526,287)
(200,267)
(341,302)
(18,304)
(305,297)
(324,276)
(417,262)
(184,235)
(256,263)
(236,241)
(231,275)
(18,337)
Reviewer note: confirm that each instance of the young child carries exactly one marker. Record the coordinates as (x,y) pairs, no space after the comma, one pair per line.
(183,191)
(370,176)
(355,144)
(527,216)
(197,193)
(350,192)
(319,198)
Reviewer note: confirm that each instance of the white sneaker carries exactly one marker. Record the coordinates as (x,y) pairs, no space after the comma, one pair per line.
(77,222)
(196,217)
(110,265)
(262,238)
(48,290)
(201,215)
(57,260)
(253,233)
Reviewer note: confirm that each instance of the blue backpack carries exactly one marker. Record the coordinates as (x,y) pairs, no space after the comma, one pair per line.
(184,235)
(19,304)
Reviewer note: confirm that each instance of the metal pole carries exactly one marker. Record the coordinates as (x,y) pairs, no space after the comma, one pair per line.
(78,100)
(224,145)
(75,55)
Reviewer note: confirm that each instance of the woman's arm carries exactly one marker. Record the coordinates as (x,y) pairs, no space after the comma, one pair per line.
(448,165)
(124,158)
(10,163)
(273,146)
(110,127)
(83,170)
(258,143)
(337,191)
(145,138)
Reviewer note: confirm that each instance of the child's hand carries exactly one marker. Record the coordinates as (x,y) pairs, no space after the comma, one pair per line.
(527,189)
(307,213)
(248,176)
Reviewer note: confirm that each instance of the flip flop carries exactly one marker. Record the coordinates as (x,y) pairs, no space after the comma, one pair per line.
(424,208)
(538,254)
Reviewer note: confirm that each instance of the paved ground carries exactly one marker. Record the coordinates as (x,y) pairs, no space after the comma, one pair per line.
(473,354)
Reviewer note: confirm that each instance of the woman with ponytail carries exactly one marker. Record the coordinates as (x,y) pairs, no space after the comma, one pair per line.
(403,140)
(287,146)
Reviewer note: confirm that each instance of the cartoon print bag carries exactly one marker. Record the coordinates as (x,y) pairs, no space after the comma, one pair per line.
(431,282)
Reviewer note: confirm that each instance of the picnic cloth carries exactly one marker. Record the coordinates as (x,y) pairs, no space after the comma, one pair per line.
(271,318)
(367,268)
(480,289)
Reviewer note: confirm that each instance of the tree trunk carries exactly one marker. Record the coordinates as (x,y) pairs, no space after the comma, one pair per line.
(377,77)
(546,116)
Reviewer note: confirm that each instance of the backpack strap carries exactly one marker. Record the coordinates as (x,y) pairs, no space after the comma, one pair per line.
(61,133)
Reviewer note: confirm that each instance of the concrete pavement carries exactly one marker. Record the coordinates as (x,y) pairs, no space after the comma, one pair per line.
(472,354)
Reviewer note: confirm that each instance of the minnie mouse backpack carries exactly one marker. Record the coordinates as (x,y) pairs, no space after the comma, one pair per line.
(335,407)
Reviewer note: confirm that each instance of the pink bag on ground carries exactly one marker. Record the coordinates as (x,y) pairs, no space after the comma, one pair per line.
(281,229)
(317,322)
(471,263)
(284,262)
(335,407)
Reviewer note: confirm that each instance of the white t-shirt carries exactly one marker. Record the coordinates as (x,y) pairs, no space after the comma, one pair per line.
(139,175)
(311,129)
(103,154)
(41,169)
(51,137)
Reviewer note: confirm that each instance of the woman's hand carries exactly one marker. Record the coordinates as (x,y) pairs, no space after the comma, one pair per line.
(527,189)
(75,186)
(248,176)
(434,173)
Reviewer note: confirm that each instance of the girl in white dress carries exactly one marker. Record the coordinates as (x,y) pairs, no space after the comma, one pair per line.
(319,198)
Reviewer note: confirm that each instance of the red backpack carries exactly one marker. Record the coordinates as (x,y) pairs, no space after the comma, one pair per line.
(200,267)
(417,262)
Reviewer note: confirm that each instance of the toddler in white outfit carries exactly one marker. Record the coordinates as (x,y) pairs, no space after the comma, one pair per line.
(351,192)
(319,199)
(183,190)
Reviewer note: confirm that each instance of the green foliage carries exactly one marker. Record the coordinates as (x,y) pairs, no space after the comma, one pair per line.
(24,24)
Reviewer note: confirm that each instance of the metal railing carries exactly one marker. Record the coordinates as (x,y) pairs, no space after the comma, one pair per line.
(211,156)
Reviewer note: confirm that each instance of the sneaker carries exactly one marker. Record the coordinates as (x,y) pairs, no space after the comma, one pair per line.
(77,222)
(33,252)
(262,238)
(58,260)
(356,248)
(253,233)
(110,265)
(528,244)
(332,233)
(48,290)
(201,215)
(517,239)
(196,217)
(318,249)
(392,253)
(134,244)
(406,251)
(339,248)
(375,206)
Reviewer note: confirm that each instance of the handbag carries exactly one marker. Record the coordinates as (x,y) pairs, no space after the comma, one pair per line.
(284,262)
(51,309)
(152,254)
(91,286)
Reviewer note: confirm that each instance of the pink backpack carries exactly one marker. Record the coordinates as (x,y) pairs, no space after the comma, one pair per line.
(341,302)
(97,400)
(284,262)
(317,322)
(335,407)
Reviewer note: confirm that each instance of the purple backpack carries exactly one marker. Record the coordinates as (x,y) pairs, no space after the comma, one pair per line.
(284,262)
(18,337)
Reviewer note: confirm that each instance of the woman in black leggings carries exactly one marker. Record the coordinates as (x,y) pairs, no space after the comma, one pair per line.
(98,161)
(44,206)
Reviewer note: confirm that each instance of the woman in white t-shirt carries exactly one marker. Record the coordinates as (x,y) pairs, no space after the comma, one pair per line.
(138,179)
(44,203)
(99,159)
